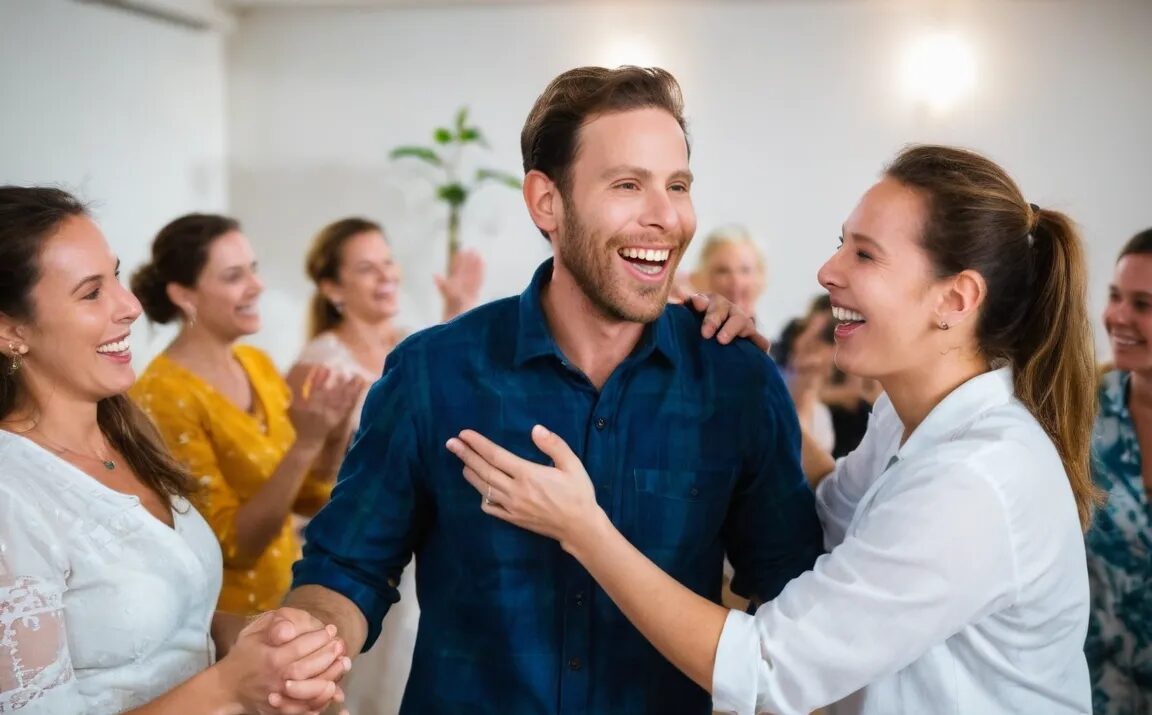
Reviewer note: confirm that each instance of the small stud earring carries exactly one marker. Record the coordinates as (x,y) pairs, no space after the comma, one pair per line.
(944,326)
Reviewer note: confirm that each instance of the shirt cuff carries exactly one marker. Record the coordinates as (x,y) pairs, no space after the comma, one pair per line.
(737,665)
(323,571)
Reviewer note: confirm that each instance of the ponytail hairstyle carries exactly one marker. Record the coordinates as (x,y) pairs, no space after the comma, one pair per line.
(323,264)
(1035,314)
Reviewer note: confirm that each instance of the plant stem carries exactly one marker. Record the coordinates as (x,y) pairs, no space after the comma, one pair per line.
(453,233)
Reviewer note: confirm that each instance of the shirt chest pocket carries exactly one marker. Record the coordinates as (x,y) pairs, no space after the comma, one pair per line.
(678,508)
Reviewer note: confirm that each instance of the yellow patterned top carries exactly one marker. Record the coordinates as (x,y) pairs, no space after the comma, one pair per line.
(231,454)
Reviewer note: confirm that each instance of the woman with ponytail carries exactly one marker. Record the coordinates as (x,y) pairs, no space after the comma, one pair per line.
(955,579)
(351,330)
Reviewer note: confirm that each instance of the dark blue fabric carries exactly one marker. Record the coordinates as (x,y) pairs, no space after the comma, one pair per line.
(694,451)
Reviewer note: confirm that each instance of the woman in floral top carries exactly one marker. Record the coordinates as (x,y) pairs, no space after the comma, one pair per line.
(255,449)
(1119,646)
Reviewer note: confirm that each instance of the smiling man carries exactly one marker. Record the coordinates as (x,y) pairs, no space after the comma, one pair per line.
(693,445)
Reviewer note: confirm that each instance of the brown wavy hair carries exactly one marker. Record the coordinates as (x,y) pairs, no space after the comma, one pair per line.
(323,263)
(29,217)
(179,254)
(551,134)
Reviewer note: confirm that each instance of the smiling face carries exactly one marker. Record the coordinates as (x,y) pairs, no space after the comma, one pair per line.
(367,278)
(628,215)
(884,293)
(78,335)
(1128,316)
(733,270)
(225,296)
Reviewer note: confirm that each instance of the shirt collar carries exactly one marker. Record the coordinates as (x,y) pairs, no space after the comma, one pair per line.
(534,339)
(961,408)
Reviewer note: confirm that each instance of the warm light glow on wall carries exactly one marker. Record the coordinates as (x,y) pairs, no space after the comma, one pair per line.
(939,70)
(629,50)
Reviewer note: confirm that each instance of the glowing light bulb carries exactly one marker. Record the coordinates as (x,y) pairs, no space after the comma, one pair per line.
(939,70)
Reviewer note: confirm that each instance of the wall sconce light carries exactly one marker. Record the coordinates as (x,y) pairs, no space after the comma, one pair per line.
(939,70)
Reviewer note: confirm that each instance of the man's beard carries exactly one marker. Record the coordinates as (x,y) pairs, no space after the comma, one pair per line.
(593,272)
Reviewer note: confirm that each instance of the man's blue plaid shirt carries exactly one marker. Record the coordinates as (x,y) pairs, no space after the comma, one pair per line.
(694,451)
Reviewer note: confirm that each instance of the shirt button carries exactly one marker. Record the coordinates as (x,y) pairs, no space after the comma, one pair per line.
(579,598)
(693,492)
(601,423)
(575,664)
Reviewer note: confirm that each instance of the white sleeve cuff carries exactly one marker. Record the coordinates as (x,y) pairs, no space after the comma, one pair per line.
(735,674)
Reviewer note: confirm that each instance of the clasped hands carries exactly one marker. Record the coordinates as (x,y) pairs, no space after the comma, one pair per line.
(286,662)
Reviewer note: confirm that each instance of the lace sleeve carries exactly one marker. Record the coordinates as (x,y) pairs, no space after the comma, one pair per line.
(36,673)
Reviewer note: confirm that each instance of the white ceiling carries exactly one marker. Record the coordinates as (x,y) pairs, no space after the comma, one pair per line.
(239,4)
(243,4)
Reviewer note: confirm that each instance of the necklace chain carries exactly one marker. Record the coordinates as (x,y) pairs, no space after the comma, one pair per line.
(59,450)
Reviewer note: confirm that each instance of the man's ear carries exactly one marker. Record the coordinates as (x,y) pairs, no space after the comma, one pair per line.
(542,197)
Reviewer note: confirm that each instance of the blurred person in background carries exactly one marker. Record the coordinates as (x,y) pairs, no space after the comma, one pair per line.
(109,575)
(255,451)
(1119,644)
(351,331)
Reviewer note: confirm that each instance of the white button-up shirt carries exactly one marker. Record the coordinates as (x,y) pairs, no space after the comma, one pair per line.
(955,583)
(103,607)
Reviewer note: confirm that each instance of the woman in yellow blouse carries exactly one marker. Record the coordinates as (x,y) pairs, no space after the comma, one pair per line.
(226,412)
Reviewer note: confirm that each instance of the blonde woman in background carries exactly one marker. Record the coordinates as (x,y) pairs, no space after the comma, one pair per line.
(352,329)
(227,414)
(730,265)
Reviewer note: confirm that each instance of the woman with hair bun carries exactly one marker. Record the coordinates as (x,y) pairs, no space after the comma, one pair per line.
(255,452)
(108,574)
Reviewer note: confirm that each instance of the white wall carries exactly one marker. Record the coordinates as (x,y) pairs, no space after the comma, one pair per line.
(794,107)
(124,110)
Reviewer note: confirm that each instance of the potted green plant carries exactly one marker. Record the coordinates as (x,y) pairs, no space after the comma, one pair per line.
(454,189)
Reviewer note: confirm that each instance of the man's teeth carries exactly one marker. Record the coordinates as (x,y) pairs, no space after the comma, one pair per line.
(646,254)
(118,347)
(645,268)
(845,315)
(247,309)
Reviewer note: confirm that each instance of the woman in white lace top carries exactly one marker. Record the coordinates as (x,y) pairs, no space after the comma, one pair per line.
(108,575)
(352,330)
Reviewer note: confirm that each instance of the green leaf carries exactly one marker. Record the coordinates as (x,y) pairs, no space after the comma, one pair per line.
(454,194)
(510,180)
(443,136)
(417,152)
(461,117)
(472,134)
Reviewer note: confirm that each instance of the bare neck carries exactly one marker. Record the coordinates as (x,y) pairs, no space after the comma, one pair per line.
(915,393)
(359,333)
(60,420)
(592,342)
(201,350)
